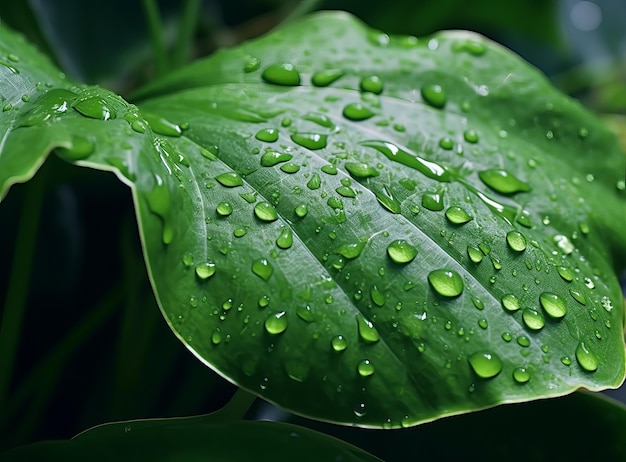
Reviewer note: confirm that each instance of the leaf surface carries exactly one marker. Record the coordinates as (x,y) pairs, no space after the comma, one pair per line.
(368,229)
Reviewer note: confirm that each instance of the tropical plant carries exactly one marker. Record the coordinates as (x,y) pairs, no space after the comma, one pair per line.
(364,229)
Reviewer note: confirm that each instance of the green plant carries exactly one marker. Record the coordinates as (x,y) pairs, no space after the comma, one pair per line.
(371,230)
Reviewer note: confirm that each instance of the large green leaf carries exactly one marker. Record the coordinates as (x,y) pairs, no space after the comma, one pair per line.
(361,228)
(193,439)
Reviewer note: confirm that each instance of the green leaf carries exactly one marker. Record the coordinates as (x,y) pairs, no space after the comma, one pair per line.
(193,439)
(369,229)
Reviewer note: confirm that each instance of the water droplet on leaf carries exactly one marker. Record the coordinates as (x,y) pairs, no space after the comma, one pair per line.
(366,329)
(400,251)
(276,323)
(326,77)
(205,270)
(516,241)
(265,211)
(434,95)
(365,368)
(555,306)
(521,375)
(262,268)
(445,282)
(268,135)
(502,181)
(533,319)
(371,84)
(356,112)
(338,343)
(486,365)
(457,215)
(281,74)
(587,360)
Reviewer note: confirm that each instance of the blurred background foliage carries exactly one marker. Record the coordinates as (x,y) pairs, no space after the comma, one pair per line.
(93,345)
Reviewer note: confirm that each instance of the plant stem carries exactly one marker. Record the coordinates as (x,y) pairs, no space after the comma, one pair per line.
(157,39)
(186,29)
(18,285)
(235,409)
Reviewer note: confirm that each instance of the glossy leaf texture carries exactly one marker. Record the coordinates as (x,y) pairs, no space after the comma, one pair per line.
(374,230)
(191,439)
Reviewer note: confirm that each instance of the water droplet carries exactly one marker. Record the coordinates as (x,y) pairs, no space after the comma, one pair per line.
(302,210)
(356,112)
(587,360)
(486,365)
(224,209)
(470,136)
(400,251)
(474,254)
(445,282)
(265,211)
(566,360)
(367,331)
(457,215)
(555,306)
(386,199)
(346,191)
(216,337)
(427,168)
(338,343)
(507,337)
(268,135)
(566,273)
(240,232)
(589,283)
(377,296)
(159,203)
(281,74)
(276,323)
(446,143)
(516,241)
(606,303)
(251,64)
(326,77)
(371,84)
(285,240)
(521,375)
(365,368)
(469,46)
(95,108)
(262,268)
(264,301)
(478,303)
(510,302)
(483,324)
(271,158)
(312,141)
(187,259)
(315,182)
(502,181)
(533,319)
(329,169)
(434,95)
(352,250)
(433,200)
(523,341)
(162,126)
(360,170)
(205,270)
(305,313)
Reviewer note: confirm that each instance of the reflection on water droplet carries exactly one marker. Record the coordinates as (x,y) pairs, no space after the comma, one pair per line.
(365,368)
(485,364)
(445,282)
(502,181)
(401,252)
(516,241)
(521,375)
(205,270)
(339,343)
(262,268)
(457,215)
(276,323)
(555,306)
(587,360)
(281,74)
(533,319)
(434,95)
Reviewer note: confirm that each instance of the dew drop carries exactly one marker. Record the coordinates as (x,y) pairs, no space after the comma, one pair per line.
(566,273)
(470,136)
(360,170)
(433,201)
(434,95)
(555,306)
(265,211)
(224,209)
(187,259)
(162,126)
(516,241)
(301,210)
(566,360)
(205,270)
(510,302)
(315,182)
(445,282)
(446,143)
(474,254)
(521,375)
(95,108)
(356,112)
(372,84)
(304,312)
(483,324)
(216,337)
(502,181)
(276,323)
(338,343)
(271,158)
(346,191)
(262,268)
(312,141)
(352,250)
(401,252)
(523,341)
(268,135)
(457,215)
(281,74)
(285,239)
(486,365)
(533,319)
(365,368)
(251,64)
(478,303)
(366,329)
(507,337)
(587,360)
(326,77)
(377,296)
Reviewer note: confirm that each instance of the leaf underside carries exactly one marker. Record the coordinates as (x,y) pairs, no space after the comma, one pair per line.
(363,229)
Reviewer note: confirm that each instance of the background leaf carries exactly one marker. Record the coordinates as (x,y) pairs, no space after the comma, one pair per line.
(330,313)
